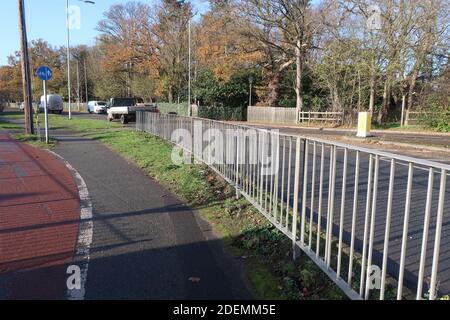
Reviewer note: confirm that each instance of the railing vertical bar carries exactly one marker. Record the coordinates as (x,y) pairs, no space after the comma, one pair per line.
(331,211)
(366,227)
(250,165)
(261,172)
(437,238)
(311,209)
(296,190)
(387,230)
(426,225)
(277,162)
(405,232)
(282,181)
(255,168)
(330,175)
(341,219)
(237,164)
(319,209)
(266,188)
(288,194)
(355,210)
(372,225)
(272,178)
(305,190)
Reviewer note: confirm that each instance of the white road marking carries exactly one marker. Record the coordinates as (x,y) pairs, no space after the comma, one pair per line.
(85,231)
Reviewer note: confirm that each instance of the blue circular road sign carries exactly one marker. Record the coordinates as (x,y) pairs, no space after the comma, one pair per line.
(44,73)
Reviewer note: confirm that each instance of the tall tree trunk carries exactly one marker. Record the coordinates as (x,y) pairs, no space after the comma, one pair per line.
(337,106)
(273,92)
(298,78)
(274,75)
(359,91)
(170,94)
(383,113)
(372,94)
(412,86)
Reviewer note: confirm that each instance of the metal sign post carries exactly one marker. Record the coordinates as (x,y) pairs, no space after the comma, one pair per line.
(45,73)
(45,111)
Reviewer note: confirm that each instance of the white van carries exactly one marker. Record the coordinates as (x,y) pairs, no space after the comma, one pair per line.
(96,106)
(54,104)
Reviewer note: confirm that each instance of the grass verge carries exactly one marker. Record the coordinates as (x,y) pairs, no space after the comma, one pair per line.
(34,140)
(264,251)
(9,126)
(58,122)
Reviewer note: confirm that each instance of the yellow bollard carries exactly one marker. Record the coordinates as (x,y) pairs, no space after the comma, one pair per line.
(363,124)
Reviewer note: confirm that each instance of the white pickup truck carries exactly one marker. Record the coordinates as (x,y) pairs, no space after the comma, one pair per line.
(125,109)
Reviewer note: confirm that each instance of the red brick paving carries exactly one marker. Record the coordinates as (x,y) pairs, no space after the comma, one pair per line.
(39,216)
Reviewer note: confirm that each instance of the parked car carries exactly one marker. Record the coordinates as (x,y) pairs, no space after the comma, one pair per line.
(125,108)
(54,103)
(22,106)
(96,106)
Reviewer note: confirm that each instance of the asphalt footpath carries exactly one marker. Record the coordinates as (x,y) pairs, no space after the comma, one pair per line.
(146,243)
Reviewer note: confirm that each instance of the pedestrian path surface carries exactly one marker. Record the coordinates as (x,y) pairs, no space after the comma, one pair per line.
(146,243)
(39,218)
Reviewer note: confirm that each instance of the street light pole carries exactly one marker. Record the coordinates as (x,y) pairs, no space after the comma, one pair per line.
(85,82)
(250,80)
(78,85)
(189,76)
(68,56)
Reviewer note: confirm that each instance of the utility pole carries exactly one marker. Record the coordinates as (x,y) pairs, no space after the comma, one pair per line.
(189,76)
(127,75)
(68,58)
(25,65)
(250,81)
(78,85)
(85,81)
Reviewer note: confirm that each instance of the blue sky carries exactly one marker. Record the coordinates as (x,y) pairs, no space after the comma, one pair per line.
(46,19)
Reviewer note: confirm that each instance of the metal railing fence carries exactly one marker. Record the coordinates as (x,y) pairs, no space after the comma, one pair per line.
(374,222)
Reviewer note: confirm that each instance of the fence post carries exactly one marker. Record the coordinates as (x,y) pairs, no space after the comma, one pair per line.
(237,164)
(296,189)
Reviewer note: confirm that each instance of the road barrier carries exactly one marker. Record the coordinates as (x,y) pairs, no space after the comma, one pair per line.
(374,222)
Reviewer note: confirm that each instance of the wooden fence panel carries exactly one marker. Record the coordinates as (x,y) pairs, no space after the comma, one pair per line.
(271,115)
